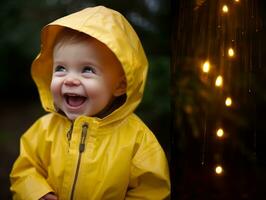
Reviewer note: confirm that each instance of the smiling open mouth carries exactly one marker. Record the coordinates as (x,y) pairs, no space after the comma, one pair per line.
(74,100)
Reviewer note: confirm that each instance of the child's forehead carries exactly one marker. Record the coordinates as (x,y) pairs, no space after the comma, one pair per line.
(90,45)
(69,37)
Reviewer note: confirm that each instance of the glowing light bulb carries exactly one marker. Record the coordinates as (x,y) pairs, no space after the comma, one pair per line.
(228,101)
(206,67)
(225,9)
(219,81)
(220,132)
(218,169)
(236,0)
(231,52)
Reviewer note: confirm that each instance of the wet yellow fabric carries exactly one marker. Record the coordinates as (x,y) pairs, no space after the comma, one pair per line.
(121,159)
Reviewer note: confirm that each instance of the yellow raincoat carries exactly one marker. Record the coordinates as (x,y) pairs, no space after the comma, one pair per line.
(116,157)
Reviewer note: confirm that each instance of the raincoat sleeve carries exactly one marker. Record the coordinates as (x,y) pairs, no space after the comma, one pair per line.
(149,173)
(28,174)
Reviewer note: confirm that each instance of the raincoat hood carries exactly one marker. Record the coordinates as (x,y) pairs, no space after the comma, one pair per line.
(112,29)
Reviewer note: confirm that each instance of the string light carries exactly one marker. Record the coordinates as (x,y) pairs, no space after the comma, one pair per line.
(231,52)
(220,132)
(225,9)
(228,101)
(219,81)
(218,169)
(206,67)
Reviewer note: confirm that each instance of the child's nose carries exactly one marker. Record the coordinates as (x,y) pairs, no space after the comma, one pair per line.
(72,81)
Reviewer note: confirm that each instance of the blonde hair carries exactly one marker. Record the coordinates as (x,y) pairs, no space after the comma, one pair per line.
(67,35)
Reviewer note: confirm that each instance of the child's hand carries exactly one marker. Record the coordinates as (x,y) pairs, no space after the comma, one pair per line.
(49,196)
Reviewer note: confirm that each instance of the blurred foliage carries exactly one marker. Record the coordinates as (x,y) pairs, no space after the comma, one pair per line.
(156,95)
(155,106)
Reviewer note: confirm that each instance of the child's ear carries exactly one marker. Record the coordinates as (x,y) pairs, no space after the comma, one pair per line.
(121,87)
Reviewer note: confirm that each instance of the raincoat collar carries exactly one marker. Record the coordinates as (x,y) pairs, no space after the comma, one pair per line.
(112,29)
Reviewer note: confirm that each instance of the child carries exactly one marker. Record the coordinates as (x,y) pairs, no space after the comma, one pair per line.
(90,74)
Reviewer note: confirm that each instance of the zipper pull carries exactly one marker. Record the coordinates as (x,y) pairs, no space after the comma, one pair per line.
(83,137)
(69,134)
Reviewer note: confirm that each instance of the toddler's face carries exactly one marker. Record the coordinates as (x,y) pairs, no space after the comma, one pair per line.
(86,78)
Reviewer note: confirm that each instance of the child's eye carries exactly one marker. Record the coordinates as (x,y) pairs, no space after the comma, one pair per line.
(88,70)
(60,68)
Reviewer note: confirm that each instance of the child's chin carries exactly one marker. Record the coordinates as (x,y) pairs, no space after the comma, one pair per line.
(72,117)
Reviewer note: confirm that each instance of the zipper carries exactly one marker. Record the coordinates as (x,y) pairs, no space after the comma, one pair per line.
(81,150)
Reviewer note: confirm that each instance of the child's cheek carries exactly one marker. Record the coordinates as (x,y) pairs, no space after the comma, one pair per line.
(96,87)
(55,87)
